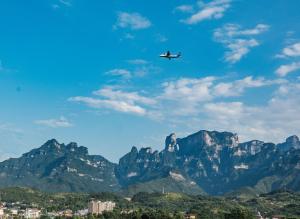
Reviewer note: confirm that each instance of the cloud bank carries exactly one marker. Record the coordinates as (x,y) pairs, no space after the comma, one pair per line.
(238,41)
(133,21)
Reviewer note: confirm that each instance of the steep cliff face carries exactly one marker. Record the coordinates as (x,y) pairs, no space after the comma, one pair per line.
(218,163)
(207,161)
(211,142)
(59,167)
(138,166)
(171,143)
(291,142)
(145,170)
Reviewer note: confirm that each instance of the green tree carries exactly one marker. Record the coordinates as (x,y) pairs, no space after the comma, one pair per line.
(238,213)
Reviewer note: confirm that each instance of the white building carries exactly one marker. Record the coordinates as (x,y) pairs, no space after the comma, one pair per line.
(14,212)
(258,216)
(82,212)
(1,212)
(97,207)
(32,213)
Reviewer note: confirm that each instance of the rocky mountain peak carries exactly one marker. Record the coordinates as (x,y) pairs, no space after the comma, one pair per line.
(134,150)
(211,160)
(51,143)
(251,147)
(171,143)
(195,143)
(291,142)
(54,147)
(72,145)
(74,148)
(59,167)
(209,138)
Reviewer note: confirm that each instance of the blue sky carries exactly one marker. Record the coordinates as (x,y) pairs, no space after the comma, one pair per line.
(89,72)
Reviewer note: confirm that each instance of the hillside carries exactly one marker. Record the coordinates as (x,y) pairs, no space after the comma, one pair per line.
(59,168)
(206,162)
(280,202)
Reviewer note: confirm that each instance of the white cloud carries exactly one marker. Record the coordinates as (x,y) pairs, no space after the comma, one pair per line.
(62,122)
(238,49)
(274,121)
(230,31)
(223,110)
(185,8)
(283,70)
(117,105)
(117,100)
(137,62)
(144,70)
(131,97)
(206,89)
(211,103)
(238,41)
(177,97)
(161,38)
(139,68)
(189,89)
(133,21)
(65,2)
(187,95)
(61,3)
(290,51)
(129,36)
(119,72)
(212,10)
(182,97)
(236,88)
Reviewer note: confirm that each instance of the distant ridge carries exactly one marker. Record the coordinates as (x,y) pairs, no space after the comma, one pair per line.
(59,168)
(205,162)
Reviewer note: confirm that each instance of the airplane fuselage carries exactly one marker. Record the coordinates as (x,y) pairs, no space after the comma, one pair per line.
(169,56)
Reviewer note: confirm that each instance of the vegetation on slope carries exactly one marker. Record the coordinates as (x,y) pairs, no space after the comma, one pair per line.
(158,205)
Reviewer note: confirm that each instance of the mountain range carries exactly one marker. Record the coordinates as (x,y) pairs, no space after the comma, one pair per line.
(206,162)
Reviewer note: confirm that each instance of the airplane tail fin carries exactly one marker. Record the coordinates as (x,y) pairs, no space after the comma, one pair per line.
(179,54)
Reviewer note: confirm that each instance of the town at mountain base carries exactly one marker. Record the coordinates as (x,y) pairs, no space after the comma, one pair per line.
(207,162)
(29,203)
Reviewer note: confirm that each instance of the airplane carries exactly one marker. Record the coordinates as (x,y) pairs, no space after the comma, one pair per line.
(169,56)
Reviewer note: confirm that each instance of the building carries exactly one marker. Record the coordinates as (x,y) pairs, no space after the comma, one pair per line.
(82,213)
(258,215)
(32,213)
(278,217)
(190,216)
(98,207)
(1,212)
(14,212)
(68,213)
(53,214)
